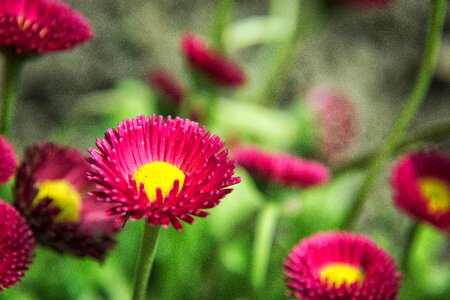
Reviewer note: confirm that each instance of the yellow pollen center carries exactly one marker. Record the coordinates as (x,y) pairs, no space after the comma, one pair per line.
(338,274)
(437,193)
(63,195)
(158,175)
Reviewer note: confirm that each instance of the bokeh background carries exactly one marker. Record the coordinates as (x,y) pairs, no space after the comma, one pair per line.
(73,97)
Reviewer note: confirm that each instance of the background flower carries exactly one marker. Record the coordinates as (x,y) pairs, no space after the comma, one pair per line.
(8,160)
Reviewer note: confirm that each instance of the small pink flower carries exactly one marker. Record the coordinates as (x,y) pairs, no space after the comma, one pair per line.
(211,63)
(282,168)
(336,119)
(421,185)
(340,266)
(167,86)
(8,160)
(164,171)
(51,192)
(16,246)
(39,26)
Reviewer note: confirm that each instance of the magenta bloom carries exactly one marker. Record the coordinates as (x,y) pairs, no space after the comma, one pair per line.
(51,192)
(421,184)
(8,160)
(167,86)
(364,3)
(16,246)
(211,63)
(38,26)
(282,168)
(337,124)
(340,266)
(161,171)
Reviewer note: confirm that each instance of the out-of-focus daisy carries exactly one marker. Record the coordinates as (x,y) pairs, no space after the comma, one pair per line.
(164,171)
(8,160)
(340,266)
(167,86)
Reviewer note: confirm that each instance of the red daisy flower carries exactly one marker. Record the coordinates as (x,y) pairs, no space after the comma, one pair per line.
(162,171)
(210,62)
(340,266)
(51,192)
(16,246)
(37,26)
(421,184)
(8,160)
(364,3)
(282,168)
(336,119)
(167,86)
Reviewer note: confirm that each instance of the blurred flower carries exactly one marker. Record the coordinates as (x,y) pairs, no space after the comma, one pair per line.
(336,118)
(421,183)
(167,86)
(282,168)
(8,160)
(16,246)
(339,265)
(364,3)
(38,26)
(211,63)
(162,171)
(51,192)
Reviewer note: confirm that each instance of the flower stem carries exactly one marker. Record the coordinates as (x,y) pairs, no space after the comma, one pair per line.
(413,103)
(145,260)
(410,240)
(10,80)
(265,229)
(222,18)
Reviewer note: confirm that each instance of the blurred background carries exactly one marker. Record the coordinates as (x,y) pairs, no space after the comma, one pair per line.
(373,55)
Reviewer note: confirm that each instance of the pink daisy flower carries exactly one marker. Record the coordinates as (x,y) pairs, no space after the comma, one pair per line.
(51,193)
(8,160)
(336,119)
(167,86)
(421,185)
(164,171)
(38,26)
(210,62)
(282,168)
(16,246)
(340,266)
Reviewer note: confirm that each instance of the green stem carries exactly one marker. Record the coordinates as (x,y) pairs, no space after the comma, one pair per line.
(221,20)
(434,132)
(410,240)
(10,82)
(416,98)
(265,229)
(145,260)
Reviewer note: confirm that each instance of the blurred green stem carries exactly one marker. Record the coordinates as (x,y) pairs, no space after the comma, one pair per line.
(265,229)
(416,98)
(145,260)
(10,82)
(410,240)
(434,132)
(221,20)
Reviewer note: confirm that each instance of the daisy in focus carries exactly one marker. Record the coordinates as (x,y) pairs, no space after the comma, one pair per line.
(163,171)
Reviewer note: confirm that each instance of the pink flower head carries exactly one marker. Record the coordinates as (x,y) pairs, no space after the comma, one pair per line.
(16,246)
(282,168)
(8,160)
(164,171)
(167,86)
(51,192)
(38,26)
(340,266)
(421,184)
(364,3)
(336,118)
(211,63)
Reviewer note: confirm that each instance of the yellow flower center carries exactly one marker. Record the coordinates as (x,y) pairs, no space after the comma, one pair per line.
(338,274)
(158,174)
(437,193)
(63,195)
